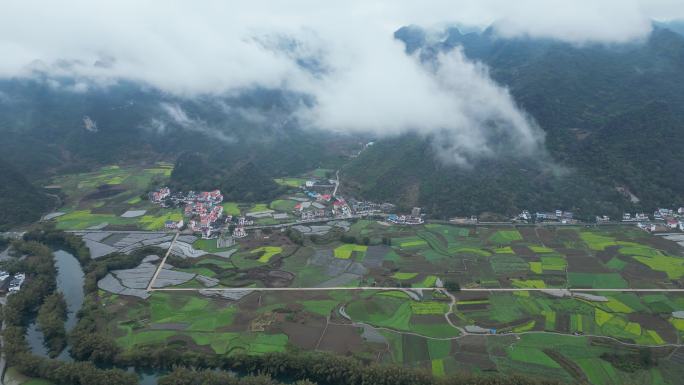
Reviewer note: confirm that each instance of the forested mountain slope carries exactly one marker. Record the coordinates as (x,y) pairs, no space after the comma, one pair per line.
(20,201)
(613,115)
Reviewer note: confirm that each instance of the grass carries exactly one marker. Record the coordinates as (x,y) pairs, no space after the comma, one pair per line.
(413,243)
(529,283)
(672,266)
(429,307)
(536,267)
(83,219)
(469,250)
(208,245)
(258,207)
(134,200)
(553,263)
(268,252)
(540,249)
(156,222)
(596,280)
(231,208)
(429,281)
(438,367)
(505,237)
(395,294)
(322,307)
(404,276)
(286,205)
(290,182)
(531,355)
(321,172)
(382,311)
(525,327)
(504,250)
(345,251)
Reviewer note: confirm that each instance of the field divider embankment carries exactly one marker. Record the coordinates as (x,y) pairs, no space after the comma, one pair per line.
(161,264)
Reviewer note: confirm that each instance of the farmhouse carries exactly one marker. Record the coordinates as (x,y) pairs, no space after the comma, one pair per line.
(239,232)
(173,225)
(404,219)
(159,195)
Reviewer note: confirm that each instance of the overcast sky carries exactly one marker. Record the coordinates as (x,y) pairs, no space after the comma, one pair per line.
(369,84)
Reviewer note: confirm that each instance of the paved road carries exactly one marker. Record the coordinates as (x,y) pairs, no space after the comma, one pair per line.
(379,288)
(163,261)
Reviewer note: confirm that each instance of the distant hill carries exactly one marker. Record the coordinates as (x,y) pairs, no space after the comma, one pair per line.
(20,201)
(242,182)
(614,116)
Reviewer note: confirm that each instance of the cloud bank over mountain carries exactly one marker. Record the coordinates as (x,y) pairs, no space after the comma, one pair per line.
(342,55)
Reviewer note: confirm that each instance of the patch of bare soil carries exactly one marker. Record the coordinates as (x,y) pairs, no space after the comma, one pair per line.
(472,307)
(585,265)
(183,343)
(341,339)
(637,272)
(427,319)
(304,335)
(661,326)
(476,361)
(471,296)
(661,243)
(271,278)
(608,254)
(563,322)
(523,251)
(528,234)
(104,191)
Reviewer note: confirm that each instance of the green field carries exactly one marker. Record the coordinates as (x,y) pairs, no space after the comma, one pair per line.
(267,252)
(536,332)
(100,197)
(286,205)
(231,208)
(290,182)
(347,250)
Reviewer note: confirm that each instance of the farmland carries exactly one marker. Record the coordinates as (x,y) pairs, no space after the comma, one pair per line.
(545,334)
(102,198)
(364,324)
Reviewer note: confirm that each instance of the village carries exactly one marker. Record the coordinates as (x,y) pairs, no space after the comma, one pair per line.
(663,219)
(317,200)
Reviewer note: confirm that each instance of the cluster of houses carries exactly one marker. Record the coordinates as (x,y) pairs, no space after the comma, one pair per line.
(160,195)
(308,210)
(368,208)
(415,218)
(13,282)
(321,204)
(204,208)
(560,216)
(663,220)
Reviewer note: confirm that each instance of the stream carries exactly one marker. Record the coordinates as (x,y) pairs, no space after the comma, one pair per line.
(70,282)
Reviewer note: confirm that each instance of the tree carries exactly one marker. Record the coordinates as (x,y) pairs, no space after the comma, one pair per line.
(452,285)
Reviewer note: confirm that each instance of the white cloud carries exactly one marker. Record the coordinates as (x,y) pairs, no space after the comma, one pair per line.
(175,115)
(365,83)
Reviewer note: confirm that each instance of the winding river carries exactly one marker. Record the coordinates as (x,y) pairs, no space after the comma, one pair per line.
(69,283)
